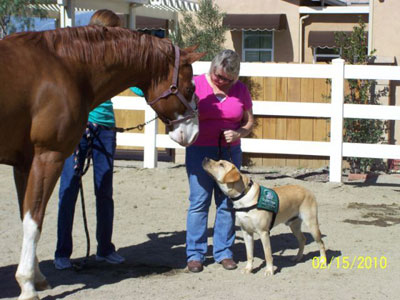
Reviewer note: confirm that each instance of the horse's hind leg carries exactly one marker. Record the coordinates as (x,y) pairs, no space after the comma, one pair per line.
(43,175)
(41,283)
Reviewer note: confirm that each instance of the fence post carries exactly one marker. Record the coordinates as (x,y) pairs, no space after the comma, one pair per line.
(337,102)
(150,134)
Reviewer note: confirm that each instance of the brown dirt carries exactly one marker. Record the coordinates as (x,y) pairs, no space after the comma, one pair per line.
(359,222)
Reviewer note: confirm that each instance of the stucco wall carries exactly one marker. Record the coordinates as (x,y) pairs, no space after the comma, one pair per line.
(286,41)
(386,28)
(327,23)
(386,41)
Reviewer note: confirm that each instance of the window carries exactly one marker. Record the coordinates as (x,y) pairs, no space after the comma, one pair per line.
(156,32)
(325,54)
(258,46)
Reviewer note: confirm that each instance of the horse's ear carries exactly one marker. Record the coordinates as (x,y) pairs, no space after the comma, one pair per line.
(194,56)
(191,48)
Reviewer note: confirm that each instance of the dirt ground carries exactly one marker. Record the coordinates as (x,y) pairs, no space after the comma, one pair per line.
(360,223)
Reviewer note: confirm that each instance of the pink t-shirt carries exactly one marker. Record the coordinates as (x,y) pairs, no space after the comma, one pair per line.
(215,115)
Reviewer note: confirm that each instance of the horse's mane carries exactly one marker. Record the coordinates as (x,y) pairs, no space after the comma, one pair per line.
(105,45)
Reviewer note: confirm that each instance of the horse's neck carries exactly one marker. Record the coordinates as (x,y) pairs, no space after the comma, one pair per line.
(106,85)
(111,79)
(127,60)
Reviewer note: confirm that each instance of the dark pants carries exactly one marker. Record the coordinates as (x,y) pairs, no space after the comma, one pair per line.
(104,143)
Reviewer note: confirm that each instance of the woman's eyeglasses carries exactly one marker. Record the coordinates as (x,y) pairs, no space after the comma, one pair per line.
(223,78)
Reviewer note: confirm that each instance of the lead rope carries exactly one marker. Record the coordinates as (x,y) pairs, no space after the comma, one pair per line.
(80,171)
(221,136)
(139,127)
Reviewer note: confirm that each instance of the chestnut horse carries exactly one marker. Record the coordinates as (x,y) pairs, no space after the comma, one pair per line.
(50,81)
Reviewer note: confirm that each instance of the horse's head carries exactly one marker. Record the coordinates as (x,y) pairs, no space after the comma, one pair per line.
(174,99)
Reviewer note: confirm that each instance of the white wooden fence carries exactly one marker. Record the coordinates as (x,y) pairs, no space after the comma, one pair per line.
(336,111)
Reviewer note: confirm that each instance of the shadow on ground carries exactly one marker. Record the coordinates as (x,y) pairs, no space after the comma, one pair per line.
(164,254)
(280,244)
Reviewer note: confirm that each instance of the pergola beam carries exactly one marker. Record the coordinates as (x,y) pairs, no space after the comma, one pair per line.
(154,13)
(64,10)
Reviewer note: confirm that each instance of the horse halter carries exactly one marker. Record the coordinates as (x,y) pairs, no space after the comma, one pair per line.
(173,90)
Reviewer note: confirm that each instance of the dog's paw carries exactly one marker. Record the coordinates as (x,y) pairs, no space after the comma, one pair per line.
(269,272)
(246,270)
(323,261)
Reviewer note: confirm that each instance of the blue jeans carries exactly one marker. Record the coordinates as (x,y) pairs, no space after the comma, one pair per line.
(202,187)
(104,143)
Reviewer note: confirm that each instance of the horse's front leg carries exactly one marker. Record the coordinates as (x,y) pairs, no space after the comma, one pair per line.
(43,175)
(21,178)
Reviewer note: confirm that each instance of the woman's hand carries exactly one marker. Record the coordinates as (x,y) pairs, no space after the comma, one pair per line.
(231,135)
(247,125)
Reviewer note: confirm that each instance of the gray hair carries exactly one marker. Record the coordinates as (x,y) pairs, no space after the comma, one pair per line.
(228,61)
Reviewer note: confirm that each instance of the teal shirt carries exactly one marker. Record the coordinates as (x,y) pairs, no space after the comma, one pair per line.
(103,114)
(137,91)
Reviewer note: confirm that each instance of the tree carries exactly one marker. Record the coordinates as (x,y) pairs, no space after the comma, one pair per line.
(203,28)
(354,47)
(23,11)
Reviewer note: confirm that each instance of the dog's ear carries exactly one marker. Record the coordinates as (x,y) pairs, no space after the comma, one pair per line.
(232,176)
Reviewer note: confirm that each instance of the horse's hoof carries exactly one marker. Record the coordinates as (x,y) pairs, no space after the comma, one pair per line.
(42,285)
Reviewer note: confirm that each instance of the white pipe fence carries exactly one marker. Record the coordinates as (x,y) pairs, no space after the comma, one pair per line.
(336,111)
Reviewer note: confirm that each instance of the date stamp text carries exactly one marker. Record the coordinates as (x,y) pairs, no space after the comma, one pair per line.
(350,263)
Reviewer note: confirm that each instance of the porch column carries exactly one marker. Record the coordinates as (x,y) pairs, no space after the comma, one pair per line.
(173,29)
(132,16)
(67,13)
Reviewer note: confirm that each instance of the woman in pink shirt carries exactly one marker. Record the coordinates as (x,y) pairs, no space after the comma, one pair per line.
(225,114)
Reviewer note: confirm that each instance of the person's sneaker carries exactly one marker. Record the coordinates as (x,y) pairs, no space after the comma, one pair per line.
(62,263)
(113,258)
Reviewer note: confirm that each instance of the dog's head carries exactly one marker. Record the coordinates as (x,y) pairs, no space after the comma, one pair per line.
(227,176)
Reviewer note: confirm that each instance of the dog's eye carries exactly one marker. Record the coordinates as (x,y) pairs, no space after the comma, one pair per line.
(221,164)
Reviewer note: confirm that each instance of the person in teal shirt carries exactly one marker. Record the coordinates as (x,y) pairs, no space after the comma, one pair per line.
(137,91)
(102,142)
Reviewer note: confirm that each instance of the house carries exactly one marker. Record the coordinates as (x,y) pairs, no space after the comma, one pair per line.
(299,31)
(289,31)
(302,31)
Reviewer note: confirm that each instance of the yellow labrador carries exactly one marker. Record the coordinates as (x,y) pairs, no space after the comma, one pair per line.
(296,205)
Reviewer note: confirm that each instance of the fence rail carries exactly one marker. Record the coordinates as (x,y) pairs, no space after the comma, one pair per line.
(338,72)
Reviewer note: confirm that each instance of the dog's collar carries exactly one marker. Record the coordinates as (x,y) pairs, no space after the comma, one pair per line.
(244,192)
